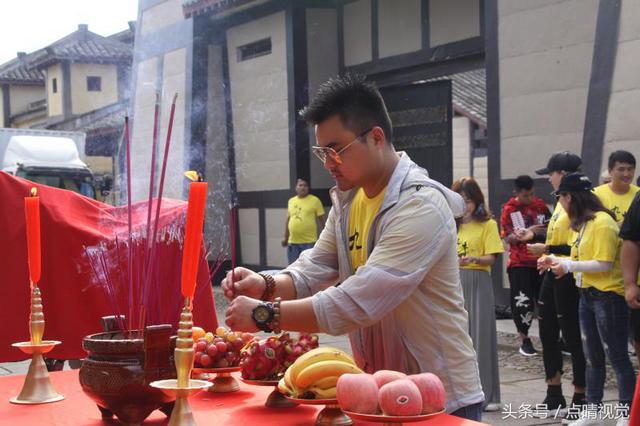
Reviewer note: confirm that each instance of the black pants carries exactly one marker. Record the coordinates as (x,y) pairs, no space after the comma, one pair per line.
(558,308)
(525,285)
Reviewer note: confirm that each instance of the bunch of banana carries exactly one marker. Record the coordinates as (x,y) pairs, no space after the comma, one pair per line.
(317,372)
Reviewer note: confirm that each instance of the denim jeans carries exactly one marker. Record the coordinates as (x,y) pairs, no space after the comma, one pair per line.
(603,322)
(294,250)
(470,412)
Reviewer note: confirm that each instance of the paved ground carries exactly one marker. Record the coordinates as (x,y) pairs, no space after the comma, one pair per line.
(521,377)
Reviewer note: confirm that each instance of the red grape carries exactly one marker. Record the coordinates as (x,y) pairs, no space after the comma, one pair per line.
(222,347)
(201,346)
(212,350)
(205,360)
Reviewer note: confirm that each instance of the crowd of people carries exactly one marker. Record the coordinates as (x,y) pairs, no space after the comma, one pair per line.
(403,265)
(571,267)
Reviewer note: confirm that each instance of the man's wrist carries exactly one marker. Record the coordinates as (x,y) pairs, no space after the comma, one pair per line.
(269,287)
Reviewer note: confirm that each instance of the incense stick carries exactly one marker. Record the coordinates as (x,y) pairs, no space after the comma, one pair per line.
(129,220)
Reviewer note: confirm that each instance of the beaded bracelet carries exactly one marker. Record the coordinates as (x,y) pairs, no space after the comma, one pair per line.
(270,287)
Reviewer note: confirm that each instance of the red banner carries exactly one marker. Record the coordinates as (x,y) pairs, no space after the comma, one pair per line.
(84,246)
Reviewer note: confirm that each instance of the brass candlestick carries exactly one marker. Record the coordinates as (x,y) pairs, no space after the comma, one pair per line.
(37,388)
(183,387)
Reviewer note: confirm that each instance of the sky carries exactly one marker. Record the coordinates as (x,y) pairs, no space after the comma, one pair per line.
(28,25)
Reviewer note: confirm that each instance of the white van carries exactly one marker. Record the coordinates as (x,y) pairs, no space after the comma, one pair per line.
(49,160)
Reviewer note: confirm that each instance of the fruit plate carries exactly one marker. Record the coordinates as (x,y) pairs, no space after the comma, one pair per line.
(330,415)
(223,382)
(384,419)
(275,398)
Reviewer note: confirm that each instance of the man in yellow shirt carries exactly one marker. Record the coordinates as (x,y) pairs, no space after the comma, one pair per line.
(618,194)
(305,217)
(385,267)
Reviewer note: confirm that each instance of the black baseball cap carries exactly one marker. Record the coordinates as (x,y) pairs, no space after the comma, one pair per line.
(574,182)
(561,162)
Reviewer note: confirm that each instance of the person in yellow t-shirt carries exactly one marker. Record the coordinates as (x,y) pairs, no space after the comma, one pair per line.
(618,194)
(559,299)
(305,217)
(595,264)
(478,245)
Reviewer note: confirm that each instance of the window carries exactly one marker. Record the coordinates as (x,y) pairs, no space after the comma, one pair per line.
(54,85)
(255,49)
(94,84)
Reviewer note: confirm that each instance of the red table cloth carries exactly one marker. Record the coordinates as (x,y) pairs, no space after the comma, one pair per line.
(245,407)
(73,301)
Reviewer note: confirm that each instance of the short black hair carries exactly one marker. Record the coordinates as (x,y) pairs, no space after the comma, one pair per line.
(303,179)
(523,183)
(621,156)
(356,101)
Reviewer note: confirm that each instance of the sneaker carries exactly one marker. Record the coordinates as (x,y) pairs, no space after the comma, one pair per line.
(492,407)
(554,402)
(578,402)
(527,348)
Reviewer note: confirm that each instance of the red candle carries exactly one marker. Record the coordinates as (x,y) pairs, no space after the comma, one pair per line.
(193,237)
(32,216)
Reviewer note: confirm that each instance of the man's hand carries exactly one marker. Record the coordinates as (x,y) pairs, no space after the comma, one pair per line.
(285,242)
(238,314)
(632,295)
(537,249)
(245,283)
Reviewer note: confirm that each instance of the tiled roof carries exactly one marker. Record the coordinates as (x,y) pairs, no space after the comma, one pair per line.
(79,46)
(469,93)
(17,70)
(82,46)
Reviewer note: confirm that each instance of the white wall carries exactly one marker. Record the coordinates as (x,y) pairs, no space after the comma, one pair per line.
(545,53)
(322,63)
(259,102)
(623,130)
(143,128)
(160,16)
(399,27)
(453,20)
(275,221)
(174,81)
(250,236)
(461,148)
(357,32)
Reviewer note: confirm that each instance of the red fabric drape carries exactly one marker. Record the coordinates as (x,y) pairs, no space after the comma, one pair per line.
(74,301)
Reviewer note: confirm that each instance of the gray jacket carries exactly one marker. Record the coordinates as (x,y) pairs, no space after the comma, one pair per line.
(404,308)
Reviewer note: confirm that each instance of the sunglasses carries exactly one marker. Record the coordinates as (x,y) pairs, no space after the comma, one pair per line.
(325,152)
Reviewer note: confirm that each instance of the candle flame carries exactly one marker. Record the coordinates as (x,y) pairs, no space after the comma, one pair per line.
(193,176)
(34,191)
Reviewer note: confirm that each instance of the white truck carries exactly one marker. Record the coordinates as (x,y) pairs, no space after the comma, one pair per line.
(47,157)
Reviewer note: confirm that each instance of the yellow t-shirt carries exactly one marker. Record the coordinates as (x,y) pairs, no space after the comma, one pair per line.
(618,204)
(363,210)
(302,219)
(479,239)
(559,229)
(599,241)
